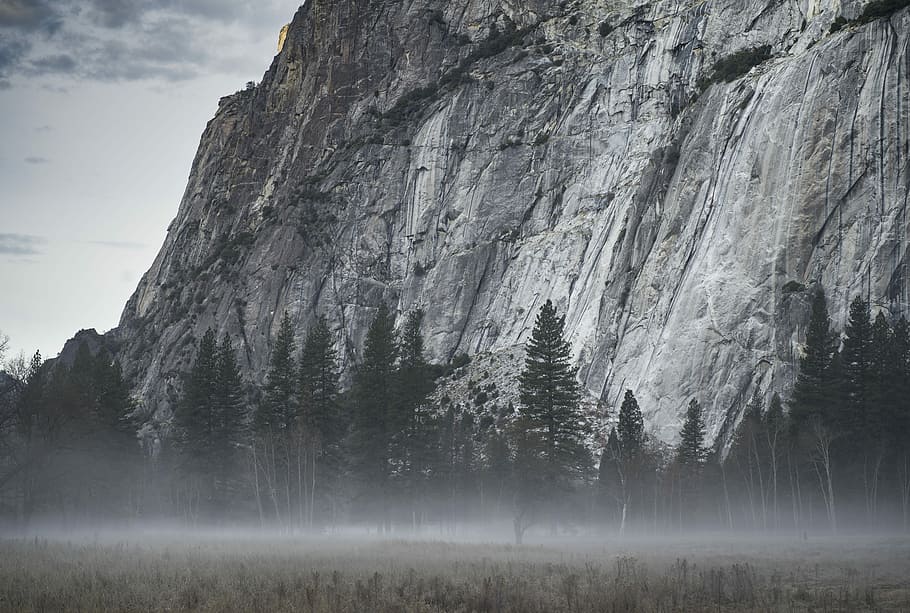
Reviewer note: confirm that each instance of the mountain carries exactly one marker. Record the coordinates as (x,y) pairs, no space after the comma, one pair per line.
(677,176)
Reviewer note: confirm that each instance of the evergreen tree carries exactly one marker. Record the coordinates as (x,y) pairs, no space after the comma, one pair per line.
(549,397)
(898,418)
(631,427)
(415,380)
(318,385)
(812,393)
(278,446)
(692,452)
(211,423)
(414,431)
(197,423)
(880,395)
(691,455)
(374,411)
(195,417)
(857,362)
(280,410)
(898,383)
(231,424)
(115,445)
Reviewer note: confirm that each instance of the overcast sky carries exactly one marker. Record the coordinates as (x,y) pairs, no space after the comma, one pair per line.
(102,103)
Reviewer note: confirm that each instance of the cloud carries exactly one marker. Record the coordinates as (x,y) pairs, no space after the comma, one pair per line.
(59,63)
(119,244)
(20,244)
(44,128)
(29,15)
(127,40)
(35,159)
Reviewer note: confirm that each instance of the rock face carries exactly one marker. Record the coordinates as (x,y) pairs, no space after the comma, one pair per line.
(474,158)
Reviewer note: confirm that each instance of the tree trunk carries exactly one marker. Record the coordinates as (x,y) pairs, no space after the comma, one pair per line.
(256,486)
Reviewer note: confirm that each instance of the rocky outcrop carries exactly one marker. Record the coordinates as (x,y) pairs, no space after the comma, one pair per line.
(672,174)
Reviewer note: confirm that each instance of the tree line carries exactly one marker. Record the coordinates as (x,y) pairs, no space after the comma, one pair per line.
(301,453)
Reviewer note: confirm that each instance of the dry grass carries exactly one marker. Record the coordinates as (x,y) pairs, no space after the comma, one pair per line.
(245,574)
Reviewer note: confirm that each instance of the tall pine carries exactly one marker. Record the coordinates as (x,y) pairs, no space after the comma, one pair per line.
(812,393)
(279,412)
(198,424)
(549,401)
(231,424)
(630,431)
(856,358)
(692,452)
(318,388)
(374,397)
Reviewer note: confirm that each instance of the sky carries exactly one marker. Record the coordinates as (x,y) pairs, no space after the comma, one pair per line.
(102,103)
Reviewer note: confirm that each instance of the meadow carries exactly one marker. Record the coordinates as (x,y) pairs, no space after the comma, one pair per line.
(220,572)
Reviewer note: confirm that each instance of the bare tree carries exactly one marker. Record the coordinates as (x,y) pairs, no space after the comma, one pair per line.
(4,345)
(904,479)
(822,437)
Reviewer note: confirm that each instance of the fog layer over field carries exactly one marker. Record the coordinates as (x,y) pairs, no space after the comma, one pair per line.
(222,570)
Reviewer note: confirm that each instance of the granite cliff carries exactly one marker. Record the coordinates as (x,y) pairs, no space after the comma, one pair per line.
(676,175)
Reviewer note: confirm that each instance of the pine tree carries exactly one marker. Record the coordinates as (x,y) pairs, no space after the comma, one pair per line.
(197,423)
(231,424)
(415,380)
(117,449)
(632,461)
(812,393)
(898,418)
(195,416)
(691,455)
(692,451)
(880,397)
(374,409)
(898,383)
(318,382)
(278,446)
(549,397)
(318,385)
(857,362)
(413,441)
(631,427)
(280,411)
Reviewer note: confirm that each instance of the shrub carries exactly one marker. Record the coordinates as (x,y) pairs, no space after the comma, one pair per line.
(734,66)
(881,8)
(509,142)
(437,18)
(838,24)
(604,29)
(411,103)
(461,360)
(792,287)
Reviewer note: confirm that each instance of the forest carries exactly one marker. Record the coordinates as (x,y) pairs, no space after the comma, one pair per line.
(303,454)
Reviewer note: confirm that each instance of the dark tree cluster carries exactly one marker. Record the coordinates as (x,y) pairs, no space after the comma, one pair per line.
(67,440)
(834,454)
(301,454)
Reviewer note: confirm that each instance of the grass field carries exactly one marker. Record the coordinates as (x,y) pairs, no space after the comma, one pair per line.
(206,573)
